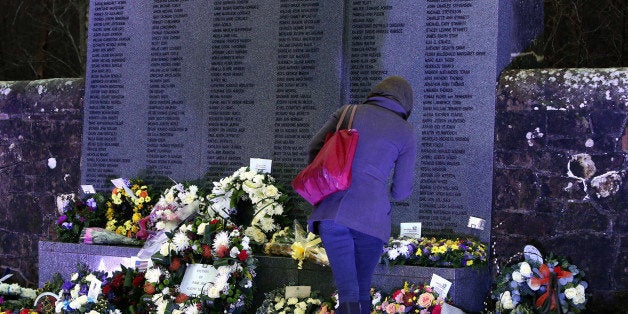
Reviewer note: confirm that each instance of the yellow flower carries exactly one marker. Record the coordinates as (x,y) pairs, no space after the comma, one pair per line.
(111,225)
(121,230)
(137,217)
(470,262)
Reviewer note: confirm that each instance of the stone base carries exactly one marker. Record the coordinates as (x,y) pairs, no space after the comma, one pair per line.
(468,291)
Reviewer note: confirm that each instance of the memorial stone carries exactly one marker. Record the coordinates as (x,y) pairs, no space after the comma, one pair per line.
(184,88)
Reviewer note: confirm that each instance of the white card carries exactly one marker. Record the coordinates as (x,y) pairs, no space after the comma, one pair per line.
(440,285)
(410,229)
(197,278)
(261,165)
(88,189)
(94,289)
(298,291)
(119,183)
(476,223)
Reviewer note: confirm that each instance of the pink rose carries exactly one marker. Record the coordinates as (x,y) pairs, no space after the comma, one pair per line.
(425,299)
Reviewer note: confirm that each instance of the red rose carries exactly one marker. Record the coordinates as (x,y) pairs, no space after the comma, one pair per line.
(213,222)
(176,263)
(207,251)
(106,289)
(182,297)
(243,255)
(117,281)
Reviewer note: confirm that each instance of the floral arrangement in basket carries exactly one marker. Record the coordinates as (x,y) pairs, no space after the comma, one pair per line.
(77,213)
(215,243)
(251,199)
(538,285)
(175,204)
(433,252)
(277,302)
(411,299)
(294,242)
(127,206)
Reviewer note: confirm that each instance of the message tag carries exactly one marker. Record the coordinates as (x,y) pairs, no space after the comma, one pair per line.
(440,285)
(119,183)
(476,223)
(298,291)
(88,189)
(410,229)
(94,289)
(196,279)
(260,165)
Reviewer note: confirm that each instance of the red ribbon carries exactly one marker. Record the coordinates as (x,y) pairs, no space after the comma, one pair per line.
(549,279)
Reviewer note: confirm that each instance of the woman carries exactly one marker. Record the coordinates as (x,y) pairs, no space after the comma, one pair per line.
(355,224)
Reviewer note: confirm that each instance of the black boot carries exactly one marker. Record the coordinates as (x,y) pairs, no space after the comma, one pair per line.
(365,307)
(349,308)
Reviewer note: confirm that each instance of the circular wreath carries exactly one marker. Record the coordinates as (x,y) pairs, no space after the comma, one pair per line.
(250,199)
(538,285)
(209,241)
(127,206)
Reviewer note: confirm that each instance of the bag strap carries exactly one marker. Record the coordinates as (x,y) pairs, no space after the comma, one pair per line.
(342,117)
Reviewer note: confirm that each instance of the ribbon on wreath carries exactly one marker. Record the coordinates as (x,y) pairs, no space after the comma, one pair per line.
(548,278)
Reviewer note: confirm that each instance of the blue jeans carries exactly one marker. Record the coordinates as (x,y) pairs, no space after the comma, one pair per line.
(352,256)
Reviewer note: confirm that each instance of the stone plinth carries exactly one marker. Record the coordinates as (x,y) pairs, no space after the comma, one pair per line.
(468,290)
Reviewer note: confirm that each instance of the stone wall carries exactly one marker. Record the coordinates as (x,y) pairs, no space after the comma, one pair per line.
(41,123)
(560,169)
(560,172)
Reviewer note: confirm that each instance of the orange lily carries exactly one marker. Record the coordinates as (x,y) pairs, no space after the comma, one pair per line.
(550,280)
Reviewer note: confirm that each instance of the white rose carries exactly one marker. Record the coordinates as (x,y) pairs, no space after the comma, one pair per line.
(506,301)
(525,270)
(201,228)
(271,191)
(570,293)
(516,276)
(165,249)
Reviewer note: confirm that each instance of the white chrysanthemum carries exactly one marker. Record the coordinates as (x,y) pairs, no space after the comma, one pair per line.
(160,225)
(276,210)
(267,224)
(192,309)
(152,275)
(404,250)
(393,254)
(221,239)
(180,241)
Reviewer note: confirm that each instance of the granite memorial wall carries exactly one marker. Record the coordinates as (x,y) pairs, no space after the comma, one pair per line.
(184,88)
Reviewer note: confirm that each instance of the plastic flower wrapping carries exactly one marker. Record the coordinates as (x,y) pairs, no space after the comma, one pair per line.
(298,244)
(250,199)
(207,241)
(433,252)
(174,205)
(537,285)
(127,206)
(410,298)
(276,302)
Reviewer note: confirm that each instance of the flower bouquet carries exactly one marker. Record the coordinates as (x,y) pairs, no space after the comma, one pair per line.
(249,199)
(535,285)
(127,206)
(76,213)
(432,252)
(80,294)
(411,299)
(174,205)
(296,243)
(215,244)
(123,292)
(276,302)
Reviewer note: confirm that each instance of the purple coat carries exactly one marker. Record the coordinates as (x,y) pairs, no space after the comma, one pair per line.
(386,144)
